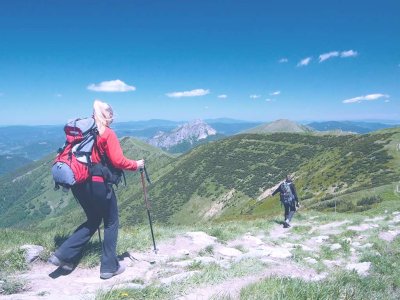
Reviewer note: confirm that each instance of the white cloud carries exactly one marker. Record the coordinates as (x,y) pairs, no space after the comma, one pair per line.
(349,53)
(387,100)
(283,60)
(58,95)
(223,96)
(268,100)
(304,62)
(328,55)
(192,93)
(111,86)
(254,96)
(369,97)
(276,93)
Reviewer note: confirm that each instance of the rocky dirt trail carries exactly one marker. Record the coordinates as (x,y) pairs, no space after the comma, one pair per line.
(309,250)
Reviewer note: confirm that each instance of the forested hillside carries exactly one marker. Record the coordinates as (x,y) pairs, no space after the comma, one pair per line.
(223,179)
(219,180)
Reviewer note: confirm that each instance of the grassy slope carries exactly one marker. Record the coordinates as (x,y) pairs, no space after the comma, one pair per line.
(325,166)
(222,179)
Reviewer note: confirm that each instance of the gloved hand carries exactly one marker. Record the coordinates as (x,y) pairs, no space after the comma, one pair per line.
(297,204)
(140,164)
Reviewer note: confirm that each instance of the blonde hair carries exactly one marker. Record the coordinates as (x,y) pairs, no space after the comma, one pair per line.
(102,113)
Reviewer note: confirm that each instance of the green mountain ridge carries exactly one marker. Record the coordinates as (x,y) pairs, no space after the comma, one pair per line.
(281,125)
(216,181)
(224,179)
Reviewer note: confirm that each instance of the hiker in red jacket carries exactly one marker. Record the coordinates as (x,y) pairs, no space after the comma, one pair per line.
(98,199)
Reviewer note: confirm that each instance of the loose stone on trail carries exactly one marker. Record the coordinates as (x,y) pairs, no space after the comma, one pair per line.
(32,252)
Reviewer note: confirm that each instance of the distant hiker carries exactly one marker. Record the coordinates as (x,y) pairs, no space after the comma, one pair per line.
(288,198)
(98,200)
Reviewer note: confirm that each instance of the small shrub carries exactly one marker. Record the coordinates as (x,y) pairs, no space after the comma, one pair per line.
(209,250)
(9,286)
(138,281)
(345,206)
(240,248)
(219,233)
(327,252)
(196,265)
(13,261)
(367,201)
(362,208)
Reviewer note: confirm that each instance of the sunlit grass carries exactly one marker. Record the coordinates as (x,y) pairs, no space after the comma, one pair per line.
(384,257)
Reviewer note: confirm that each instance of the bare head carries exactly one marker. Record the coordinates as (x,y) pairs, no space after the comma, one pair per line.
(102,113)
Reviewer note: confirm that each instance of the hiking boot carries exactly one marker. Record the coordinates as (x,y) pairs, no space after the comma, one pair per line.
(107,275)
(286,225)
(62,264)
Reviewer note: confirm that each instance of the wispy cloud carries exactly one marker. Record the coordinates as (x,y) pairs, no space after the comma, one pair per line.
(304,62)
(370,97)
(254,96)
(223,96)
(328,55)
(269,100)
(58,95)
(349,53)
(276,93)
(283,60)
(111,86)
(192,93)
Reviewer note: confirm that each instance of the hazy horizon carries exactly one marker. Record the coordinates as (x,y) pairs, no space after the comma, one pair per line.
(387,122)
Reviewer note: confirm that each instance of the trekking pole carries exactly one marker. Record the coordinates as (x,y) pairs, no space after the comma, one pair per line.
(143,172)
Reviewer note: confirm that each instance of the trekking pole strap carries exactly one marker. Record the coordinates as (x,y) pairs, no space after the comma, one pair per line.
(145,172)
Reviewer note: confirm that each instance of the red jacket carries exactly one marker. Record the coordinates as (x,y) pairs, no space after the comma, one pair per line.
(108,144)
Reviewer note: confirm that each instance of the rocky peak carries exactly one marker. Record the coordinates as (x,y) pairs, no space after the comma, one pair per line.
(192,131)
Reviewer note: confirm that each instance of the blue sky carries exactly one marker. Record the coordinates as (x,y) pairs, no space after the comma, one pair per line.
(187,59)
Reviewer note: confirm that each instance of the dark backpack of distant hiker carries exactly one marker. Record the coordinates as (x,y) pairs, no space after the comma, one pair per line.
(73,162)
(287,195)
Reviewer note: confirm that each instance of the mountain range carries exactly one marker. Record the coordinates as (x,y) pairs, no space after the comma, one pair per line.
(21,145)
(349,126)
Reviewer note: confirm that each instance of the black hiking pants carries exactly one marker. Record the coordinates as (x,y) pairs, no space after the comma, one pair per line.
(92,196)
(290,209)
